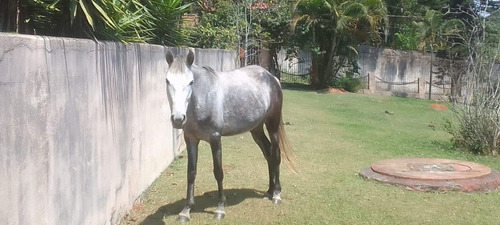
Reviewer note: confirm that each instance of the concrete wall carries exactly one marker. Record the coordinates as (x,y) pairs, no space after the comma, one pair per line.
(218,59)
(84,127)
(396,72)
(399,72)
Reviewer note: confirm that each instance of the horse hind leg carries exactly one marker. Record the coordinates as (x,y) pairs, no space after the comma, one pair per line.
(274,161)
(266,147)
(260,138)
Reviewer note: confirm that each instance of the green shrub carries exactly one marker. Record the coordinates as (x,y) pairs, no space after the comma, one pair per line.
(349,84)
(473,133)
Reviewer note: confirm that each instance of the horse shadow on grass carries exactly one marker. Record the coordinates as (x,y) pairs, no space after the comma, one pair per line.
(202,203)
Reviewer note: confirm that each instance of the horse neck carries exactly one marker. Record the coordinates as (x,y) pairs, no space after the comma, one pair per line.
(205,84)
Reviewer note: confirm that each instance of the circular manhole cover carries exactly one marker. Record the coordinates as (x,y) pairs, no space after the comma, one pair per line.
(431,169)
(434,174)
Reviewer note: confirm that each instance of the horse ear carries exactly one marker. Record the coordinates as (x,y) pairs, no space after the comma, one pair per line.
(190,58)
(170,57)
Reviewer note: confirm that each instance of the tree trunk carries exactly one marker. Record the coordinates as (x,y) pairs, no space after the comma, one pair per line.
(274,66)
(323,64)
(494,146)
(329,63)
(8,15)
(456,87)
(313,71)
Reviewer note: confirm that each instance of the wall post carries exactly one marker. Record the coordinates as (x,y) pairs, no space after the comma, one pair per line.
(371,83)
(421,87)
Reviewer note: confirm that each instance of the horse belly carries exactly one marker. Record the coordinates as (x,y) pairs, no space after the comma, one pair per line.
(246,100)
(242,118)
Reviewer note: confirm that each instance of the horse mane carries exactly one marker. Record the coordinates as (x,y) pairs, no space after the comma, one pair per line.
(210,70)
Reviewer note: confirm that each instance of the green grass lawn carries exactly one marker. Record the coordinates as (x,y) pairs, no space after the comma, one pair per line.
(334,137)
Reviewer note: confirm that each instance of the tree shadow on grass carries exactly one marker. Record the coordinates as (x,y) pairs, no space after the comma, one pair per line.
(202,203)
(297,87)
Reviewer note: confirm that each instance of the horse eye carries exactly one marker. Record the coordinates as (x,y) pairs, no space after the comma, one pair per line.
(168,82)
(191,83)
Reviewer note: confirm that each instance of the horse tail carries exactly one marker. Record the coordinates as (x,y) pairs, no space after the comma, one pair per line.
(286,149)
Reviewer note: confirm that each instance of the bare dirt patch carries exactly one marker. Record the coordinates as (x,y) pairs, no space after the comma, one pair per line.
(439,107)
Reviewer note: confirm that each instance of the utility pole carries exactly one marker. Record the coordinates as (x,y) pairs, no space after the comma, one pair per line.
(430,72)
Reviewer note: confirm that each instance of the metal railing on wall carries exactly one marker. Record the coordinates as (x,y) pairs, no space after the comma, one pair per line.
(417,88)
(294,70)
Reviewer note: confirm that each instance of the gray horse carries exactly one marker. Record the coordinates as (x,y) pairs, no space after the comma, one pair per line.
(208,104)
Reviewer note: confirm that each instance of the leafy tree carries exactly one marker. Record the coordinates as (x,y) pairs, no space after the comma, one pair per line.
(73,18)
(477,124)
(430,29)
(165,21)
(275,24)
(435,33)
(130,21)
(247,25)
(403,33)
(217,27)
(155,21)
(491,34)
(332,31)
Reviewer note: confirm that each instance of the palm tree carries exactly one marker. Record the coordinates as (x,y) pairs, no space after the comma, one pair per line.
(333,29)
(153,21)
(430,28)
(165,20)
(434,34)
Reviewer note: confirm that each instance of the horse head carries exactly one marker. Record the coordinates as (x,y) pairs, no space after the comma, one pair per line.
(179,86)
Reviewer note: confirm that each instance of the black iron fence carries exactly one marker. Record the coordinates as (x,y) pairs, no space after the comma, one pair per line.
(294,70)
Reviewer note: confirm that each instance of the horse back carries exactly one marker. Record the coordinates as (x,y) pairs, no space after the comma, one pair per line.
(250,94)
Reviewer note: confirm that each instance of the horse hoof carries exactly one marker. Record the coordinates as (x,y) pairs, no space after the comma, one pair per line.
(219,215)
(276,201)
(183,219)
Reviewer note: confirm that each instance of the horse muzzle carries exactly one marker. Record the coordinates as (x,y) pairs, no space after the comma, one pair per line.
(178,121)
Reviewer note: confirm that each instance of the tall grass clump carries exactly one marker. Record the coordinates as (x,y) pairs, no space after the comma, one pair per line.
(476,127)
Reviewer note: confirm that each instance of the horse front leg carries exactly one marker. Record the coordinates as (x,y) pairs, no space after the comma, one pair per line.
(215,144)
(192,150)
